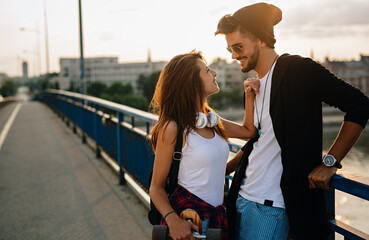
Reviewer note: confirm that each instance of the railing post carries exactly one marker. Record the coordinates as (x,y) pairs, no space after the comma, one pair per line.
(227,178)
(122,180)
(147,128)
(82,122)
(133,121)
(74,109)
(330,201)
(96,132)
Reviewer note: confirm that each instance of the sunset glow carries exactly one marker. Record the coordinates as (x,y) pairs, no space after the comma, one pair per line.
(128,29)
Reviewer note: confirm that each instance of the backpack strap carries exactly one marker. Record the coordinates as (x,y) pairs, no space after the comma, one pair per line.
(174,168)
(154,215)
(177,155)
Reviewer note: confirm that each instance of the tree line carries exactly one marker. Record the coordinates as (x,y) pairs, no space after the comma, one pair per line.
(124,93)
(8,88)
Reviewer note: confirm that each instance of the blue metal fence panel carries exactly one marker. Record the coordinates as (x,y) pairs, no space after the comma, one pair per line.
(88,125)
(108,138)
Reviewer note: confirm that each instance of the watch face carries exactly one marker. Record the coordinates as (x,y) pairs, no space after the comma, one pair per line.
(329,160)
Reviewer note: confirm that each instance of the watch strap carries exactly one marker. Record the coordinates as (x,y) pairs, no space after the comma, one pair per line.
(337,164)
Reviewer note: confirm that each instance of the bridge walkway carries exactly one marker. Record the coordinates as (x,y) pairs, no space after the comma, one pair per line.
(52,186)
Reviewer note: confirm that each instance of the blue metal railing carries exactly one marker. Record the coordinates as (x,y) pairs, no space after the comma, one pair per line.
(122,132)
(98,119)
(352,184)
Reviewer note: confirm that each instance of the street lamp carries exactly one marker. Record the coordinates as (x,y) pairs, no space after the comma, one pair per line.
(82,65)
(46,44)
(38,44)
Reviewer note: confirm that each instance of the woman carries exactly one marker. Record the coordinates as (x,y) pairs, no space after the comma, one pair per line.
(180,97)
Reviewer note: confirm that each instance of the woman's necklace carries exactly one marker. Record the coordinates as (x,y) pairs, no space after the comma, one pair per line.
(262,104)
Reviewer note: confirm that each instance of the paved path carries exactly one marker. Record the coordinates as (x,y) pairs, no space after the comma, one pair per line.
(53,187)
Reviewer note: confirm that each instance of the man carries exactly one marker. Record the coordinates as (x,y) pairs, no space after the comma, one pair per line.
(280,180)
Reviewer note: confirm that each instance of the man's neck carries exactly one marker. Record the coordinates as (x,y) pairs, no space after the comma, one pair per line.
(265,62)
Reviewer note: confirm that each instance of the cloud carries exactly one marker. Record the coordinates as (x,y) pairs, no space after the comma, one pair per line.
(120,11)
(215,11)
(329,18)
(107,36)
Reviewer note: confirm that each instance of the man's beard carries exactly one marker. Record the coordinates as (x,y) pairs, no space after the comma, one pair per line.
(253,60)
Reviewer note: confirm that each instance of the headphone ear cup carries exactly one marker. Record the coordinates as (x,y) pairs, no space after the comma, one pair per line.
(202,120)
(213,119)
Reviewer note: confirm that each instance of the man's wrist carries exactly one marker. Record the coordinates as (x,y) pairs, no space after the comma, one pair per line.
(330,161)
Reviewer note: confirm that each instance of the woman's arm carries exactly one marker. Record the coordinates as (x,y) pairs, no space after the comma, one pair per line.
(247,129)
(178,228)
(233,163)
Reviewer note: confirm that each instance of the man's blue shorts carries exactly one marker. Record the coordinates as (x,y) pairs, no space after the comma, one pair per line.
(259,222)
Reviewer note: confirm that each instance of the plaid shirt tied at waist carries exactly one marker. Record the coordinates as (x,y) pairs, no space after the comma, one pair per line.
(181,199)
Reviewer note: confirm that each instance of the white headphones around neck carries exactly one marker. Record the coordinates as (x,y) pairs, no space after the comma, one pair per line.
(210,120)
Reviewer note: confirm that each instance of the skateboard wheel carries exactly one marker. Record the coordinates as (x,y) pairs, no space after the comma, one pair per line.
(159,232)
(213,234)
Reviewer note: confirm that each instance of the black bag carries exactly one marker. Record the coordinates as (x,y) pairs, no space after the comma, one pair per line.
(239,175)
(154,215)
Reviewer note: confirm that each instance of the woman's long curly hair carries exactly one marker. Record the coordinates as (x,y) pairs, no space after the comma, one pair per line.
(178,92)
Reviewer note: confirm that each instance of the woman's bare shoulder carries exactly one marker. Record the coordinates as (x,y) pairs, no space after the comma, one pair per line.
(169,131)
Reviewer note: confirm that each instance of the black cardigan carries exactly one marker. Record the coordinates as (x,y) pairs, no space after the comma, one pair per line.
(299,86)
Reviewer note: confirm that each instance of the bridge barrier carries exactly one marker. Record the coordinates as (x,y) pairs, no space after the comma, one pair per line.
(7,100)
(121,135)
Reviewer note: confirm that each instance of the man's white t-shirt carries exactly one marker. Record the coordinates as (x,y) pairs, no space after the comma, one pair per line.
(264,171)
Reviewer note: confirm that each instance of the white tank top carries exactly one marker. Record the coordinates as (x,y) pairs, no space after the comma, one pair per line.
(202,167)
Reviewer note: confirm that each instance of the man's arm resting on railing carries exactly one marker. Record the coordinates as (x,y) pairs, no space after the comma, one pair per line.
(346,138)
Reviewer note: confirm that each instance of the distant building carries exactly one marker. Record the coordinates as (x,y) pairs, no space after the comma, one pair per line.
(353,72)
(25,71)
(230,74)
(3,76)
(104,69)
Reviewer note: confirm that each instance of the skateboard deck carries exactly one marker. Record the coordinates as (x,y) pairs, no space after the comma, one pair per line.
(193,216)
(162,232)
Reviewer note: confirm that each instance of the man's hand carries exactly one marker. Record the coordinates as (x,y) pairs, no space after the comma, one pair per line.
(251,85)
(320,177)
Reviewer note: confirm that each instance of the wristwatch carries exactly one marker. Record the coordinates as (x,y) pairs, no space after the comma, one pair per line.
(331,161)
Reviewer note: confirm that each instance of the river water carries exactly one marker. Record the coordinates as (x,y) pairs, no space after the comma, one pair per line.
(349,209)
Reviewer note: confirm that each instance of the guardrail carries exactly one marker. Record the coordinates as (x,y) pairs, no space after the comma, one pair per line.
(355,185)
(7,100)
(122,133)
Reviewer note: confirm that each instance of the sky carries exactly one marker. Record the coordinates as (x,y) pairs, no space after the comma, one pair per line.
(125,29)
